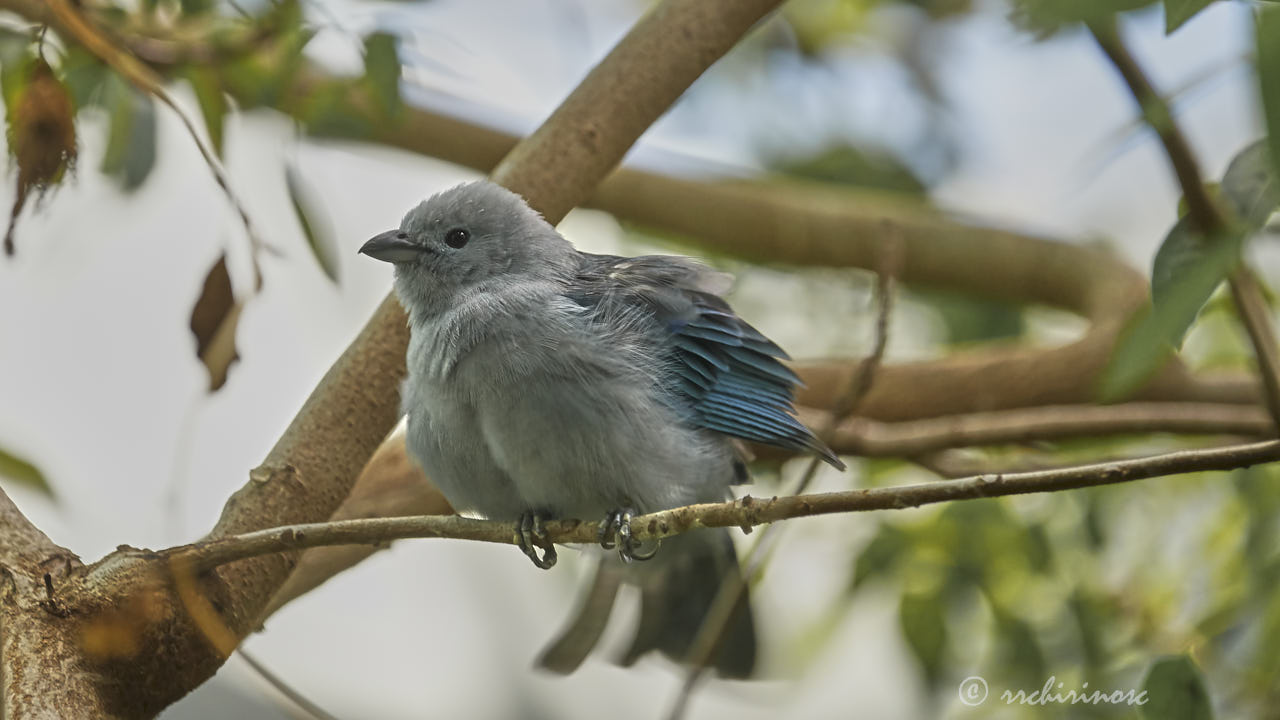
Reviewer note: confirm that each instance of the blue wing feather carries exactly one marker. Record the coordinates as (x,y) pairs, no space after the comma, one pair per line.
(729,376)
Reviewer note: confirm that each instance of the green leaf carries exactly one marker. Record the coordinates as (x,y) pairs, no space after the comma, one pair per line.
(15,468)
(15,57)
(1268,39)
(1092,621)
(328,111)
(881,555)
(196,7)
(315,226)
(1249,185)
(213,104)
(1019,651)
(924,626)
(1183,251)
(13,78)
(1048,16)
(1175,691)
(84,75)
(131,141)
(1177,12)
(971,320)
(1188,270)
(850,165)
(382,72)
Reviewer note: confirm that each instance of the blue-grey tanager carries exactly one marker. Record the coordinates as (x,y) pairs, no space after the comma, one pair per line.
(550,383)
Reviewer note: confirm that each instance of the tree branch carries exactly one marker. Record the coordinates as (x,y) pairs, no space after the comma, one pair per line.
(390,485)
(1201,208)
(1204,213)
(1255,315)
(744,513)
(871,438)
(30,634)
(21,542)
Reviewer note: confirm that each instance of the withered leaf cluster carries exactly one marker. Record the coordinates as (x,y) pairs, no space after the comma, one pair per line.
(42,136)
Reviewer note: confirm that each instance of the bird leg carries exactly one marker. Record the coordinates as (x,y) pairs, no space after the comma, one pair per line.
(615,531)
(531,534)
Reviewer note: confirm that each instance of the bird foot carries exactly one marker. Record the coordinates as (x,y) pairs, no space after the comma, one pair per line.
(531,535)
(615,532)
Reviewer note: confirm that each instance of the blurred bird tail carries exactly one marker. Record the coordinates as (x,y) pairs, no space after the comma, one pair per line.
(694,581)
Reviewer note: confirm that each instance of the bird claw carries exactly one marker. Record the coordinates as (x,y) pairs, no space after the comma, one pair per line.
(615,532)
(531,535)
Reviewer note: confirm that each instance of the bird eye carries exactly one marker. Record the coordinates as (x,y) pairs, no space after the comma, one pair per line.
(456,238)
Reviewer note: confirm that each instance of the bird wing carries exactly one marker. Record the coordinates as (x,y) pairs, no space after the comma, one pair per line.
(729,374)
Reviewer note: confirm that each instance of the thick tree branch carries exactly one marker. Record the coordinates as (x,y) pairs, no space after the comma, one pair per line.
(390,485)
(21,542)
(871,438)
(34,670)
(745,513)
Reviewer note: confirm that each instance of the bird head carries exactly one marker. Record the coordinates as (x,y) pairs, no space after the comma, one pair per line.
(465,238)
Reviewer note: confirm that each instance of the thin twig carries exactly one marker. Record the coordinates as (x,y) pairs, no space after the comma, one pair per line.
(741,513)
(1201,208)
(1255,315)
(294,696)
(146,80)
(865,373)
(954,464)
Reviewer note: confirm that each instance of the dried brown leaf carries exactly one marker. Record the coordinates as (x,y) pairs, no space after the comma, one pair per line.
(213,322)
(42,137)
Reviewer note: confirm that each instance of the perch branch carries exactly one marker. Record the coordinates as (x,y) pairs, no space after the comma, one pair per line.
(391,485)
(746,512)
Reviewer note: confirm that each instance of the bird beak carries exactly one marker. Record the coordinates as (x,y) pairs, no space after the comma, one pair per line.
(392,246)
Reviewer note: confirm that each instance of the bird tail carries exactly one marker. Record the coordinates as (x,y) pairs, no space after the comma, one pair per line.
(680,592)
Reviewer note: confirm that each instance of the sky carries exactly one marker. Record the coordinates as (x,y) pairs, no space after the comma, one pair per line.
(101,390)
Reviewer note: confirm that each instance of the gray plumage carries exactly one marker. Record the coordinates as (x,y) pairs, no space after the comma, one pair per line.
(545,380)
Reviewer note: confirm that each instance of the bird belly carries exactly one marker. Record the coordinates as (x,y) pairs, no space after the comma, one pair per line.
(575,449)
(444,437)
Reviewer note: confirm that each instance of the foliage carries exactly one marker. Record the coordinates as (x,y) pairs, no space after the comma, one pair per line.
(1189,267)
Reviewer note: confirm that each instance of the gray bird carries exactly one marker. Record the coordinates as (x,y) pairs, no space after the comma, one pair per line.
(550,383)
